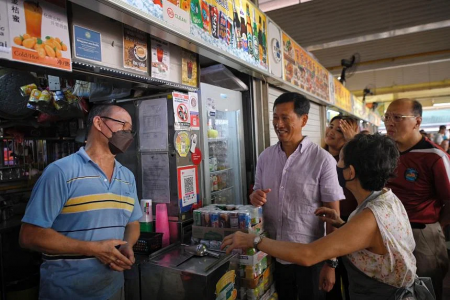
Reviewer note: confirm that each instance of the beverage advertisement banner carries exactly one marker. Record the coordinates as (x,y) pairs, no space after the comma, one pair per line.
(38,33)
(342,96)
(5,45)
(194,112)
(301,70)
(160,59)
(235,26)
(274,52)
(181,111)
(189,68)
(174,16)
(135,54)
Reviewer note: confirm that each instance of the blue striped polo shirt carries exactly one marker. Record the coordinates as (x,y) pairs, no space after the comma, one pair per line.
(74,197)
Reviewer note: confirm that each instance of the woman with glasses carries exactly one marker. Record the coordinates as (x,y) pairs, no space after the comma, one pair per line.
(376,243)
(341,130)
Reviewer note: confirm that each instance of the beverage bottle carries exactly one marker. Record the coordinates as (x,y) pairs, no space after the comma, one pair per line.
(249,32)
(237,28)
(255,38)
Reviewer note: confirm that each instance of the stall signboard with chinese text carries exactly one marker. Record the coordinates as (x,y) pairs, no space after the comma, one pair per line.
(237,27)
(88,43)
(187,186)
(359,109)
(135,54)
(189,68)
(39,34)
(181,111)
(301,70)
(342,96)
(160,59)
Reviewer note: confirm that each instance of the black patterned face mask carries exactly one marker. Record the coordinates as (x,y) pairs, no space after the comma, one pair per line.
(119,140)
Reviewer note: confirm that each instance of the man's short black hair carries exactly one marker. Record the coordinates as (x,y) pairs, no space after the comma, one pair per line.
(442,127)
(97,110)
(416,108)
(374,158)
(301,103)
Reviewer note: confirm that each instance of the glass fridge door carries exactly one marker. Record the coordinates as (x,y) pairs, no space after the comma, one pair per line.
(224,149)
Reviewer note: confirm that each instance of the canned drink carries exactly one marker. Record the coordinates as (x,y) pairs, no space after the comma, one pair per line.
(27,89)
(197,217)
(244,220)
(206,219)
(215,245)
(234,220)
(214,217)
(45,96)
(224,221)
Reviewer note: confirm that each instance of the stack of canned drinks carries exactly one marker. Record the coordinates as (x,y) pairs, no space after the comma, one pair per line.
(228,216)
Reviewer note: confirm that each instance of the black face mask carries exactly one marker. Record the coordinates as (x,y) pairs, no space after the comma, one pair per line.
(119,141)
(341,178)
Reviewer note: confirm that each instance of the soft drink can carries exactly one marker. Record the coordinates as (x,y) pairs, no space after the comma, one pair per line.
(197,218)
(244,220)
(206,219)
(214,217)
(234,220)
(224,221)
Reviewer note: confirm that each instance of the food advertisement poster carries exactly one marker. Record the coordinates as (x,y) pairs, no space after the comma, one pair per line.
(187,186)
(160,59)
(193,110)
(237,27)
(181,111)
(303,71)
(182,143)
(189,68)
(342,97)
(135,54)
(38,33)
(359,109)
(5,45)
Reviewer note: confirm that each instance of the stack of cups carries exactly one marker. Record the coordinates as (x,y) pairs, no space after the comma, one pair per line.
(146,221)
(162,223)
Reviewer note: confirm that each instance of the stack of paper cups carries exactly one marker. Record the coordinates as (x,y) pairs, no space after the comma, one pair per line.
(147,216)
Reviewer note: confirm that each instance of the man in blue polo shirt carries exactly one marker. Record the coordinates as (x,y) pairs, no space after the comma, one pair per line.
(83,214)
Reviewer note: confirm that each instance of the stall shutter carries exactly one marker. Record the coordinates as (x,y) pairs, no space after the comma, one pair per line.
(312,129)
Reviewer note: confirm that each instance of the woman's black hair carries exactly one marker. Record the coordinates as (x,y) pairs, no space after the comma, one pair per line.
(374,158)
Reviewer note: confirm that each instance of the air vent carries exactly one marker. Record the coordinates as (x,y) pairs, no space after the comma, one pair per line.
(219,75)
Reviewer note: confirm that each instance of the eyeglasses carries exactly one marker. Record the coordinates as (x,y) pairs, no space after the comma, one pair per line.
(395,118)
(121,122)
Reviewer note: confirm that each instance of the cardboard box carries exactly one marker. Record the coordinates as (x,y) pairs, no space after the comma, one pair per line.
(217,234)
(251,260)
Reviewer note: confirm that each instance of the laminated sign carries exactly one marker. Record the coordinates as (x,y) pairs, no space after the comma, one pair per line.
(181,111)
(38,33)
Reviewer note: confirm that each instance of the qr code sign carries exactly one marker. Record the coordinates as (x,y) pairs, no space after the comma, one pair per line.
(189,185)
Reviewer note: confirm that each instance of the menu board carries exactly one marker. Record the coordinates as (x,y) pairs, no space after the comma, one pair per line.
(237,27)
(160,59)
(301,70)
(38,33)
(342,96)
(135,54)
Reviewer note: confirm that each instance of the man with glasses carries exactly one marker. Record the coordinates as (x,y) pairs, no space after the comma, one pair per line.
(83,214)
(422,184)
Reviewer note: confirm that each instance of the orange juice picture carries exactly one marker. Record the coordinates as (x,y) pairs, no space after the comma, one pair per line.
(33,18)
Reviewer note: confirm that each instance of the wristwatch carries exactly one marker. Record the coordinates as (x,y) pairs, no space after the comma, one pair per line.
(332,263)
(257,240)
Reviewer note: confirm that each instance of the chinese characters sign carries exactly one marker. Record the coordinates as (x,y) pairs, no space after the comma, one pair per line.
(38,33)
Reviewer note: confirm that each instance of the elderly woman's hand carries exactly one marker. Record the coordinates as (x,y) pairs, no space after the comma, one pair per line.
(348,131)
(238,240)
(330,216)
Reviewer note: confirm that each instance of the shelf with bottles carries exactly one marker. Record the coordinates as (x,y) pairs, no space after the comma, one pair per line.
(224,196)
(218,139)
(222,190)
(220,171)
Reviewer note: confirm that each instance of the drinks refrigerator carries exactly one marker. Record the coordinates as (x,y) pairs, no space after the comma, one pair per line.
(223,145)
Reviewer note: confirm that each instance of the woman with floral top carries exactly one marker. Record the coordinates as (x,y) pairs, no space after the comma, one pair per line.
(376,243)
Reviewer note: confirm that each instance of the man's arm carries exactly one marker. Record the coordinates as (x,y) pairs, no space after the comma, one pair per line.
(49,241)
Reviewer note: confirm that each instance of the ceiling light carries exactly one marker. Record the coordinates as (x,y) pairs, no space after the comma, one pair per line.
(268,5)
(442,104)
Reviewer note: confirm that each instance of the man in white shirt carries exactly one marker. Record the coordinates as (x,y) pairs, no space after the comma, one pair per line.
(440,135)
